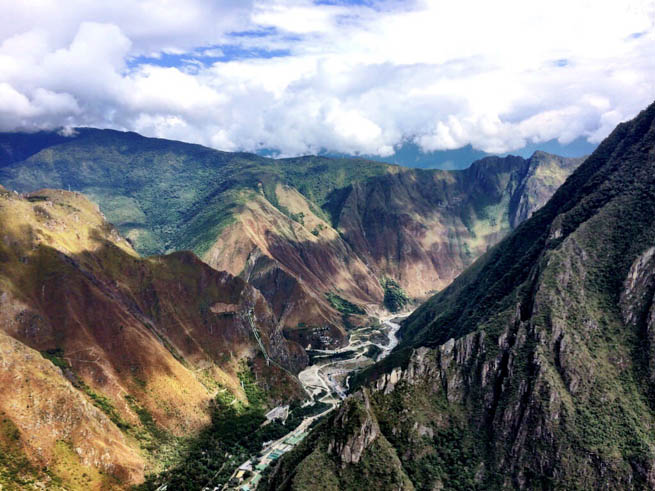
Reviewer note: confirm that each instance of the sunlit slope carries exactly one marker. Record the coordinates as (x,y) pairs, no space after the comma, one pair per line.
(108,357)
(301,230)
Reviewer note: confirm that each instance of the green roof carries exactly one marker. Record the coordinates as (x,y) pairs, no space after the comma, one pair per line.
(292,440)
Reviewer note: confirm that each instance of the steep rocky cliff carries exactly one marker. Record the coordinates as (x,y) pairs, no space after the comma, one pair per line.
(348,451)
(534,369)
(105,357)
(301,230)
(424,228)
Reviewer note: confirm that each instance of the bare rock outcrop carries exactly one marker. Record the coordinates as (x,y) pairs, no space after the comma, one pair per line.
(356,429)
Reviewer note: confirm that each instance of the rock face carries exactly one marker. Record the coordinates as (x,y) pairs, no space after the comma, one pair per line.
(348,451)
(101,349)
(355,416)
(544,173)
(296,229)
(638,303)
(534,369)
(424,228)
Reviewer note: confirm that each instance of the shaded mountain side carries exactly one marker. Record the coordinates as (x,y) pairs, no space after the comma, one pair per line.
(108,360)
(301,230)
(423,228)
(15,147)
(346,451)
(534,369)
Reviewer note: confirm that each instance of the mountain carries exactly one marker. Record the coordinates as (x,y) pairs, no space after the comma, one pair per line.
(109,362)
(409,154)
(535,369)
(324,240)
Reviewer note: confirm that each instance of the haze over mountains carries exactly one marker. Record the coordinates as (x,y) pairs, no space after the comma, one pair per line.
(411,155)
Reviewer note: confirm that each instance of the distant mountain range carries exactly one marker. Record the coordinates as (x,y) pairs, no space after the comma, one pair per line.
(411,155)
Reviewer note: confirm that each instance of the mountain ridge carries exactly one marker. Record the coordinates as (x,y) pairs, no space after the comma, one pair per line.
(109,360)
(534,369)
(310,225)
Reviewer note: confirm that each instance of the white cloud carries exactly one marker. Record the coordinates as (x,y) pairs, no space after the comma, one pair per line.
(352,79)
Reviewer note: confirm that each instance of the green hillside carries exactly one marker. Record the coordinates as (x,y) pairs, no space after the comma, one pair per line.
(164,194)
(301,229)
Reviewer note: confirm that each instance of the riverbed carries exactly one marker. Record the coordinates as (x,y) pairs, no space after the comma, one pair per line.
(330,372)
(326,380)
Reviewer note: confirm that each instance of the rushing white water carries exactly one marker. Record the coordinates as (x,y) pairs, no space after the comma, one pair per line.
(392,334)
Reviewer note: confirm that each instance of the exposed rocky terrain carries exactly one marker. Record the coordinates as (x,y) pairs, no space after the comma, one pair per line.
(534,369)
(307,232)
(168,362)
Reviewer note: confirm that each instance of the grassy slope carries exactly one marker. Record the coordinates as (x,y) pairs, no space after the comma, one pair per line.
(153,190)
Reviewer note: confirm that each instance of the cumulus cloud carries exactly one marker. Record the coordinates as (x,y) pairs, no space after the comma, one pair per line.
(300,77)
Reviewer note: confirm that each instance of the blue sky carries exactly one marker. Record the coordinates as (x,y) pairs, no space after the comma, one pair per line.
(416,79)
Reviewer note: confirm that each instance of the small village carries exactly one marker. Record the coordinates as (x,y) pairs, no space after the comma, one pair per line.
(248,475)
(326,382)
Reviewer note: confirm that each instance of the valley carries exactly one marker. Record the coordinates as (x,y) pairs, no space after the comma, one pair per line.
(243,285)
(286,258)
(534,369)
(326,382)
(327,245)
(312,234)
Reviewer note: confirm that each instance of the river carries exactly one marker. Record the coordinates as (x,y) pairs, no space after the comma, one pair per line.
(326,380)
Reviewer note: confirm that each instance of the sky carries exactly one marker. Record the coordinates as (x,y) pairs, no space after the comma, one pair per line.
(358,77)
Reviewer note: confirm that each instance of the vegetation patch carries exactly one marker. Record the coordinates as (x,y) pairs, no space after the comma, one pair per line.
(105,405)
(150,436)
(395,298)
(16,472)
(255,395)
(298,217)
(56,356)
(237,433)
(343,305)
(75,475)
